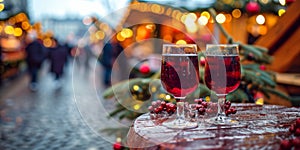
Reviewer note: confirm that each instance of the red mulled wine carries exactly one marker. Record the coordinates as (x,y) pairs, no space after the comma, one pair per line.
(222,73)
(180,73)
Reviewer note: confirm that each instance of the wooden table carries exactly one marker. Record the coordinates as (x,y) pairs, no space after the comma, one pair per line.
(260,127)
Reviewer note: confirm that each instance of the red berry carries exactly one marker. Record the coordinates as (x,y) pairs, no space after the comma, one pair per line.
(233,110)
(298,123)
(156,110)
(150,108)
(292,128)
(163,104)
(228,103)
(153,103)
(227,112)
(296,142)
(297,132)
(144,69)
(285,145)
(226,107)
(201,111)
(204,104)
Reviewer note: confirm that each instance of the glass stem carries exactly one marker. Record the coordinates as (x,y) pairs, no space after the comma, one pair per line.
(221,102)
(180,108)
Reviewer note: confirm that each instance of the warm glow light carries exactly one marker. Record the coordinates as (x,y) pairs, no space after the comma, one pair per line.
(205,14)
(9,30)
(136,106)
(281,12)
(221,18)
(120,37)
(18,32)
(1,7)
(282,2)
(168,97)
(203,20)
(260,19)
(25,25)
(181,42)
(136,87)
(126,33)
(156,8)
(228,17)
(236,13)
(100,35)
(191,17)
(47,42)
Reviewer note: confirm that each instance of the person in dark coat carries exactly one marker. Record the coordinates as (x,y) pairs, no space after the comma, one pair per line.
(58,55)
(110,52)
(35,56)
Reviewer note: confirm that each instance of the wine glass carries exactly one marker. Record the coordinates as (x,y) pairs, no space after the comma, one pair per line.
(180,77)
(222,75)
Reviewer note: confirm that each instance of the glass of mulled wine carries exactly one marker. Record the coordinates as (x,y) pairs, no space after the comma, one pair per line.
(222,75)
(180,77)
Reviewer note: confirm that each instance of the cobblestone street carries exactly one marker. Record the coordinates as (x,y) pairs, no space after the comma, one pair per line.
(67,118)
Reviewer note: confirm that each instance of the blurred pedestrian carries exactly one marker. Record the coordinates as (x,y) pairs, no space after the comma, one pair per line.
(58,55)
(111,50)
(35,56)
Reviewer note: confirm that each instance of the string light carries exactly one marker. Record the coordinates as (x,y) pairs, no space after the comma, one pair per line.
(260,19)
(202,20)
(220,18)
(236,13)
(181,42)
(281,12)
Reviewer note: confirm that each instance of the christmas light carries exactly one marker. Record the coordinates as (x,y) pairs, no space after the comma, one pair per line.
(260,19)
(282,2)
(1,7)
(18,32)
(9,30)
(236,13)
(281,12)
(220,18)
(205,14)
(181,42)
(203,20)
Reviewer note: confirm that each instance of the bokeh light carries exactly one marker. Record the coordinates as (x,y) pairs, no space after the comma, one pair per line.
(236,13)
(281,12)
(260,19)
(202,20)
(221,18)
(181,42)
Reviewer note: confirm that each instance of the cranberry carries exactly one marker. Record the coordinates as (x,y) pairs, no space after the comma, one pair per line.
(227,112)
(156,110)
(163,104)
(233,110)
(285,145)
(296,142)
(297,132)
(292,128)
(150,108)
(204,104)
(226,107)
(228,103)
(298,123)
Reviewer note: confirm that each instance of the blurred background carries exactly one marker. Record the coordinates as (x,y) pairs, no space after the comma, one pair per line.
(69,68)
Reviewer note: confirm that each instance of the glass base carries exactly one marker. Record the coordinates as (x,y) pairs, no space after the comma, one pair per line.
(180,124)
(222,120)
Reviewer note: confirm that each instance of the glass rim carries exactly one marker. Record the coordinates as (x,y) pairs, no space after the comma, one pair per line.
(222,45)
(166,45)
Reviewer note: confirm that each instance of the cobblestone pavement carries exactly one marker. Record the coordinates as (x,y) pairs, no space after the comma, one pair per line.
(51,118)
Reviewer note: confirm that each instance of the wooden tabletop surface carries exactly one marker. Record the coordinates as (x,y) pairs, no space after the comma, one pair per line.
(259,127)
